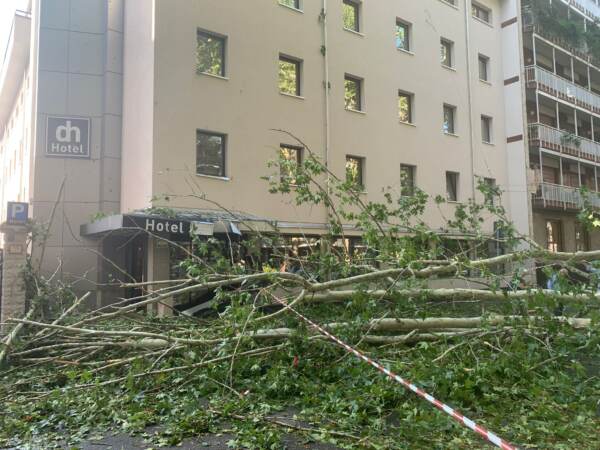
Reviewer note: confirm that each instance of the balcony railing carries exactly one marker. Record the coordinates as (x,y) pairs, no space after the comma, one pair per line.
(588,7)
(561,88)
(551,195)
(550,138)
(581,51)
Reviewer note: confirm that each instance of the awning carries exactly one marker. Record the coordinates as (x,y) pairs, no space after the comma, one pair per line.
(177,226)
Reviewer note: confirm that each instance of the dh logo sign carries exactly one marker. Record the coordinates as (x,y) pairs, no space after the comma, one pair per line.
(68,137)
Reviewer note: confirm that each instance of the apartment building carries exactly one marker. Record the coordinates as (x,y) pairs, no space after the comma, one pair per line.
(562,74)
(145,115)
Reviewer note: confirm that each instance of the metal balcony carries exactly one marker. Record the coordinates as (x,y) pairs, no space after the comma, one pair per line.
(550,138)
(556,196)
(589,7)
(561,88)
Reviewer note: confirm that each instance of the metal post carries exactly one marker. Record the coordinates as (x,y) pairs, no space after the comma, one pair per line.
(572,68)
(560,170)
(542,176)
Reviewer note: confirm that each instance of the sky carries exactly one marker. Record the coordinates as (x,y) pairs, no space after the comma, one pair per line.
(7,10)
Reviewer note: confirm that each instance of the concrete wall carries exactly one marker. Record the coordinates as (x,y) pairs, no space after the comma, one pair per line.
(138,105)
(246,104)
(514,112)
(80,75)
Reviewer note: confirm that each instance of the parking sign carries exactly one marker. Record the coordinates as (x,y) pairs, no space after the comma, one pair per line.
(17,213)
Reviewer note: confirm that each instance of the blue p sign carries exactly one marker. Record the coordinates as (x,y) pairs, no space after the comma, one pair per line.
(17,213)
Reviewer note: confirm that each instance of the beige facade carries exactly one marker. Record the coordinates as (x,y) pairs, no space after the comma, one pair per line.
(15,116)
(246,105)
(131,68)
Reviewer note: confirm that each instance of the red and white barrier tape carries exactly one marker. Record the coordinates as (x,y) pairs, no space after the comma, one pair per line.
(488,435)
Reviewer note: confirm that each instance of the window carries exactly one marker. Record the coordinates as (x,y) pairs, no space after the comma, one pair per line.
(291,157)
(355,171)
(490,194)
(407,180)
(353,93)
(405,107)
(210,55)
(554,235)
(452,186)
(484,68)
(403,35)
(481,13)
(289,75)
(486,129)
(291,3)
(351,15)
(449,119)
(210,153)
(447,56)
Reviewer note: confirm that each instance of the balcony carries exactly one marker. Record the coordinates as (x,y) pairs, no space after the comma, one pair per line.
(588,7)
(552,84)
(579,50)
(555,196)
(544,136)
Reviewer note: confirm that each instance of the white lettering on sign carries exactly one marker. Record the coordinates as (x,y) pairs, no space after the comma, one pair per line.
(155,226)
(64,133)
(68,137)
(67,149)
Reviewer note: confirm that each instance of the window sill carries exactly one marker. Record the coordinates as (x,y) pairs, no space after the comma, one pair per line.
(408,52)
(485,82)
(213,177)
(452,202)
(285,94)
(491,144)
(452,69)
(356,111)
(212,75)
(450,134)
(410,124)
(449,4)
(292,8)
(358,33)
(483,21)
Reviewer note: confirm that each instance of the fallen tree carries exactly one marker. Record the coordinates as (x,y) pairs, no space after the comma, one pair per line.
(499,327)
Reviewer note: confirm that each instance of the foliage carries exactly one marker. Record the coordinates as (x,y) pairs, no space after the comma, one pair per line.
(569,138)
(210,54)
(533,380)
(552,21)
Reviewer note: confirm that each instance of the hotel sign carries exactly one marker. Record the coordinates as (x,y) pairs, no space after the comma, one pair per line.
(172,229)
(68,137)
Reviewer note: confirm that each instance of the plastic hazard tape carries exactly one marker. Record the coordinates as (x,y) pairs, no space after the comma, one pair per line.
(488,435)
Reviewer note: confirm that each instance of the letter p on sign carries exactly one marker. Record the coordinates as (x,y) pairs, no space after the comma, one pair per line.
(17,213)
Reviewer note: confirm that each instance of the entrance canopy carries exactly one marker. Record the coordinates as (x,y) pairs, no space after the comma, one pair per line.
(175,225)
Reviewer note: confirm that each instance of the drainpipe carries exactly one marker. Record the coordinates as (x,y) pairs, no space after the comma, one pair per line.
(326,86)
(469,93)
